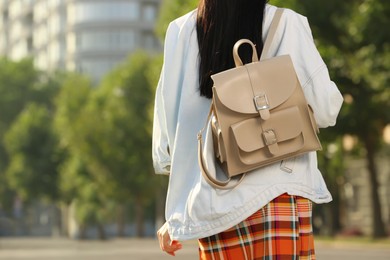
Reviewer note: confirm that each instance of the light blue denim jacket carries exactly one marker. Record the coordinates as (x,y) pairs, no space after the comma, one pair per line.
(194,209)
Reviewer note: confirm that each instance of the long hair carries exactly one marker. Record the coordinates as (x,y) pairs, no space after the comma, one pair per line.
(220,24)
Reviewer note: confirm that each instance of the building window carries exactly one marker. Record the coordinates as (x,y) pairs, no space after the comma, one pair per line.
(149,12)
(102,11)
(116,40)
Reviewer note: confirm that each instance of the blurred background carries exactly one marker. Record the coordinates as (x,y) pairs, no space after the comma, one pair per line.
(77,82)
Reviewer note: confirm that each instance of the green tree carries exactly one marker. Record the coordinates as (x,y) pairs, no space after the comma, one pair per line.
(16,80)
(78,185)
(20,84)
(31,146)
(70,102)
(119,146)
(108,130)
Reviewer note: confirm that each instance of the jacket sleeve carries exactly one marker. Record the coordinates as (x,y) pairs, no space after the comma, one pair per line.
(160,139)
(160,145)
(320,91)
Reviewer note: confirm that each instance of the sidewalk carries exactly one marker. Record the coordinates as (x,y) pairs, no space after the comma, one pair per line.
(148,249)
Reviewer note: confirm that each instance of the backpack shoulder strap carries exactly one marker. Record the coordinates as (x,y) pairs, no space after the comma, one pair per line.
(271,33)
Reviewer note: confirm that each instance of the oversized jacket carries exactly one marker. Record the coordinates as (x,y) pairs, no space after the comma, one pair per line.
(193,208)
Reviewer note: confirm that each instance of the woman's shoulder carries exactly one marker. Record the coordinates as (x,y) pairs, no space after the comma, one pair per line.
(288,14)
(291,20)
(184,22)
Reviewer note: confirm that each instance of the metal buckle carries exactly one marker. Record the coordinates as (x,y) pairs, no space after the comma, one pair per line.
(269,137)
(261,102)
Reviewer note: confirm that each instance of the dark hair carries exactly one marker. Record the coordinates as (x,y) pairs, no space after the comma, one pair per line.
(220,24)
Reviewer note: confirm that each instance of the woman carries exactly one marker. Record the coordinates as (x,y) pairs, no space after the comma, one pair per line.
(267,216)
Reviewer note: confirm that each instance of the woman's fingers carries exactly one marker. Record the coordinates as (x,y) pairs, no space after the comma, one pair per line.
(174,246)
(170,246)
(160,236)
(166,244)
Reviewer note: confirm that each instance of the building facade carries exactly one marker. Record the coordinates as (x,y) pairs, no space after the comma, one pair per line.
(87,36)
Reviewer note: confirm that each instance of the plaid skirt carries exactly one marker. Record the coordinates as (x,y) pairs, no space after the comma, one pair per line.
(281,230)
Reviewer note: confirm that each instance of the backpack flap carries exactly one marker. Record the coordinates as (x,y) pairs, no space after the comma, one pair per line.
(250,88)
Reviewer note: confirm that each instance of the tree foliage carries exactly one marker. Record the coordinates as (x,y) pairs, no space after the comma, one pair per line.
(107,132)
(70,101)
(117,138)
(20,85)
(31,146)
(78,185)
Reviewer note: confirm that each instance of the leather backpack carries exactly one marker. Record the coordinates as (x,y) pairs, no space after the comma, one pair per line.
(258,115)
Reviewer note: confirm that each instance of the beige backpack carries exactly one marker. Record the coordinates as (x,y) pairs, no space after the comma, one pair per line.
(259,114)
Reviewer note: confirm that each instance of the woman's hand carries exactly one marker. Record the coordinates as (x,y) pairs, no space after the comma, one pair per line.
(166,244)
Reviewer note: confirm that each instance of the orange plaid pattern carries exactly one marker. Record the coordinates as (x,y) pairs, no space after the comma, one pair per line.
(282,230)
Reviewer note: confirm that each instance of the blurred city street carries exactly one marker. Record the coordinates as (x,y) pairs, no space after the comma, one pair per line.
(148,249)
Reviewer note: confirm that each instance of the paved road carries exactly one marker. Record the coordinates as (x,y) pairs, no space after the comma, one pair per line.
(136,249)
